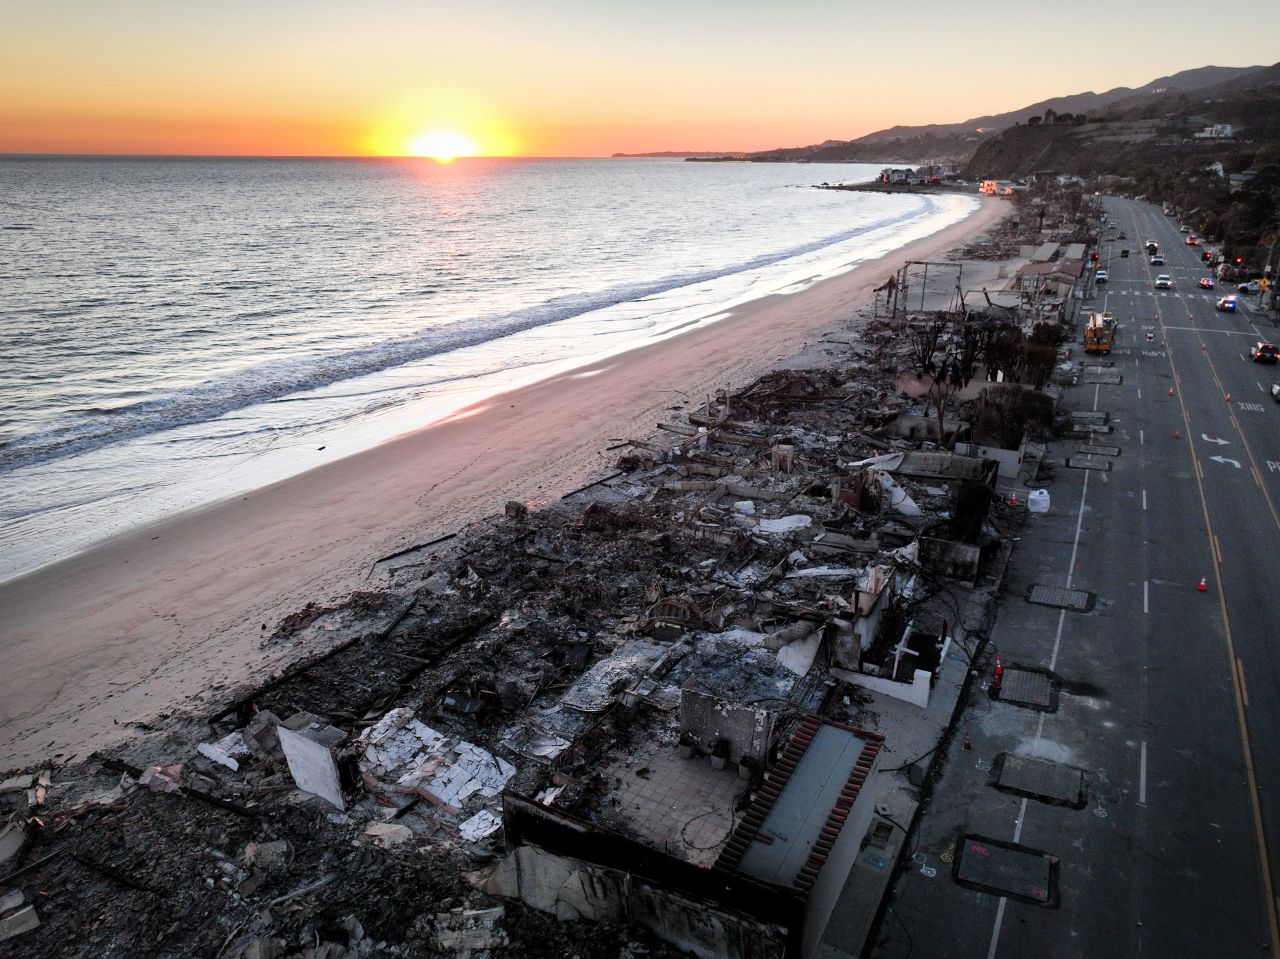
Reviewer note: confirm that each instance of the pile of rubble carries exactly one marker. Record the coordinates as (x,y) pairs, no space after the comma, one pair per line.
(758,561)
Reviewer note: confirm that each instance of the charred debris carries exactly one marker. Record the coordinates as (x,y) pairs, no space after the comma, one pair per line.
(628,682)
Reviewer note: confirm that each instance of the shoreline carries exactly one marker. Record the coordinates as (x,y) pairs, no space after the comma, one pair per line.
(64,507)
(148,621)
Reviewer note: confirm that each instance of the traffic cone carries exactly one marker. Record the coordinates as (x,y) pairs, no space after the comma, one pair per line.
(1177,434)
(1013,499)
(1203,347)
(1203,587)
(967,745)
(1228,397)
(1171,391)
(999,677)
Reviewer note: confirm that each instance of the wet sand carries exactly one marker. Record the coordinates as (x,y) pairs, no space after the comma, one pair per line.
(167,616)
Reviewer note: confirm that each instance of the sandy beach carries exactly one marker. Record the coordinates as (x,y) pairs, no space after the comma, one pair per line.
(171,615)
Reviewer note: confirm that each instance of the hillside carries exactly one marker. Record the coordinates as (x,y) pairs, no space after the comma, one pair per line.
(1135,131)
(959,141)
(1227,190)
(1184,82)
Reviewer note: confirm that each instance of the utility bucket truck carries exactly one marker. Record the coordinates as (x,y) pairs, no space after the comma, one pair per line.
(1099,332)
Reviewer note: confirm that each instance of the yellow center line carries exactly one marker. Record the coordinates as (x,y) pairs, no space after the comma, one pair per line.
(1237,679)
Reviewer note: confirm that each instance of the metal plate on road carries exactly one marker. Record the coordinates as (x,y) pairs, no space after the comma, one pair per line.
(1033,688)
(1060,598)
(1093,428)
(1050,782)
(1091,416)
(1093,374)
(1098,450)
(1007,869)
(1088,463)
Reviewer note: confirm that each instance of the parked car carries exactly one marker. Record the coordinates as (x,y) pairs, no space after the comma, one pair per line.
(1164,282)
(1206,283)
(1100,277)
(1253,286)
(1226,305)
(1265,352)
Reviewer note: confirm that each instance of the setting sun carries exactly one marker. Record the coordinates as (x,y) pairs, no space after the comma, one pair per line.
(442,145)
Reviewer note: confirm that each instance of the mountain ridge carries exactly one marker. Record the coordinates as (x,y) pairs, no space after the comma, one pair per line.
(1185,80)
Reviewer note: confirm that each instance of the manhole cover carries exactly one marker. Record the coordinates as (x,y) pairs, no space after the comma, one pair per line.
(1099,450)
(1040,779)
(1007,869)
(1035,688)
(1060,598)
(1088,463)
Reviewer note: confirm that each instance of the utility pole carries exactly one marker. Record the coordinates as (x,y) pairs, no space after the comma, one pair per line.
(1269,274)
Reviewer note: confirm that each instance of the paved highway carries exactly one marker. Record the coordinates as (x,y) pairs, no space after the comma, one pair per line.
(1168,700)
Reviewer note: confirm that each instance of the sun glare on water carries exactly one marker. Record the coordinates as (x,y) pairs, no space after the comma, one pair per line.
(442,145)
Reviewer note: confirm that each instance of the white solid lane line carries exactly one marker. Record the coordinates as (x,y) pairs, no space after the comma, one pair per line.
(1142,775)
(1053,664)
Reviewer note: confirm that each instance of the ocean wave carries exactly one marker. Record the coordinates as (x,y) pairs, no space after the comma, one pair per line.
(281,380)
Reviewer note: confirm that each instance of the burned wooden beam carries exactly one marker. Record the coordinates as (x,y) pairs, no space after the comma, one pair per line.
(413,549)
(599,482)
(117,766)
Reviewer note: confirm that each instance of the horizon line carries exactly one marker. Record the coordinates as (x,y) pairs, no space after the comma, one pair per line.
(330,156)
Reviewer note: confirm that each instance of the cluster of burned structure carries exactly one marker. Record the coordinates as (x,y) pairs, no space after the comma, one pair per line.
(629,722)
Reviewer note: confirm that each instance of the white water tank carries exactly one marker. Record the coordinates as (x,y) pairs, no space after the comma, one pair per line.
(1038,501)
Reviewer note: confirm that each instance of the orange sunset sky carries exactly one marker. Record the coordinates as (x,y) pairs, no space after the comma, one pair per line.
(556,78)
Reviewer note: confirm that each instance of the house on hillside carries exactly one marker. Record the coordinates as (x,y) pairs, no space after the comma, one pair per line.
(938,170)
(1238,180)
(1218,131)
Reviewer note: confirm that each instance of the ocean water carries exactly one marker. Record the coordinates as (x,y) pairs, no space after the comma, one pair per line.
(174,331)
